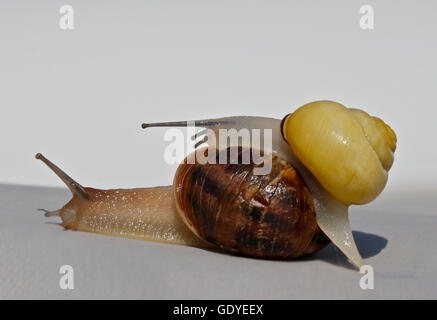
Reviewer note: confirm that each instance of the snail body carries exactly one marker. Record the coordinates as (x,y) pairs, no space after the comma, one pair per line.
(325,157)
(140,213)
(224,206)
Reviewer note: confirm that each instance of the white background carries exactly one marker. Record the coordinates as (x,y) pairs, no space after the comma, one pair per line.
(80,96)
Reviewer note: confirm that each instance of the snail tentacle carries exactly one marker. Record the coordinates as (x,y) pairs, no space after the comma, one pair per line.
(75,188)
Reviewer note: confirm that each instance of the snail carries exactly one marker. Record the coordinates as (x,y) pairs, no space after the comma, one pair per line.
(324,158)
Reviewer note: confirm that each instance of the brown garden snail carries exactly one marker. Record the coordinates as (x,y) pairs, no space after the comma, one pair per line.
(325,157)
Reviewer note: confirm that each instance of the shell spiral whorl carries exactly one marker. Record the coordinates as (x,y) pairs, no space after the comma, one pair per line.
(347,150)
(263,216)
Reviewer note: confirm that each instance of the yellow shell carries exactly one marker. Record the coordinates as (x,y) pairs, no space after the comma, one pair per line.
(347,150)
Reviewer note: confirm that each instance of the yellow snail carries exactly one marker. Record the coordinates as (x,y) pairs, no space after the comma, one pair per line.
(324,158)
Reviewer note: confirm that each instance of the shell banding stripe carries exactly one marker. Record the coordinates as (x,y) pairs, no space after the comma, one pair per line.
(264,216)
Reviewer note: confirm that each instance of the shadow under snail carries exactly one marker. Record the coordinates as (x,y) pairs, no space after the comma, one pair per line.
(325,157)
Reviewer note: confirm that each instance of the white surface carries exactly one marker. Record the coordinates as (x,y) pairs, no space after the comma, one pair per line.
(395,235)
(80,96)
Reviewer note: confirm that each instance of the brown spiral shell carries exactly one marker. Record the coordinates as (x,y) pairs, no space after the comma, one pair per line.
(263,216)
